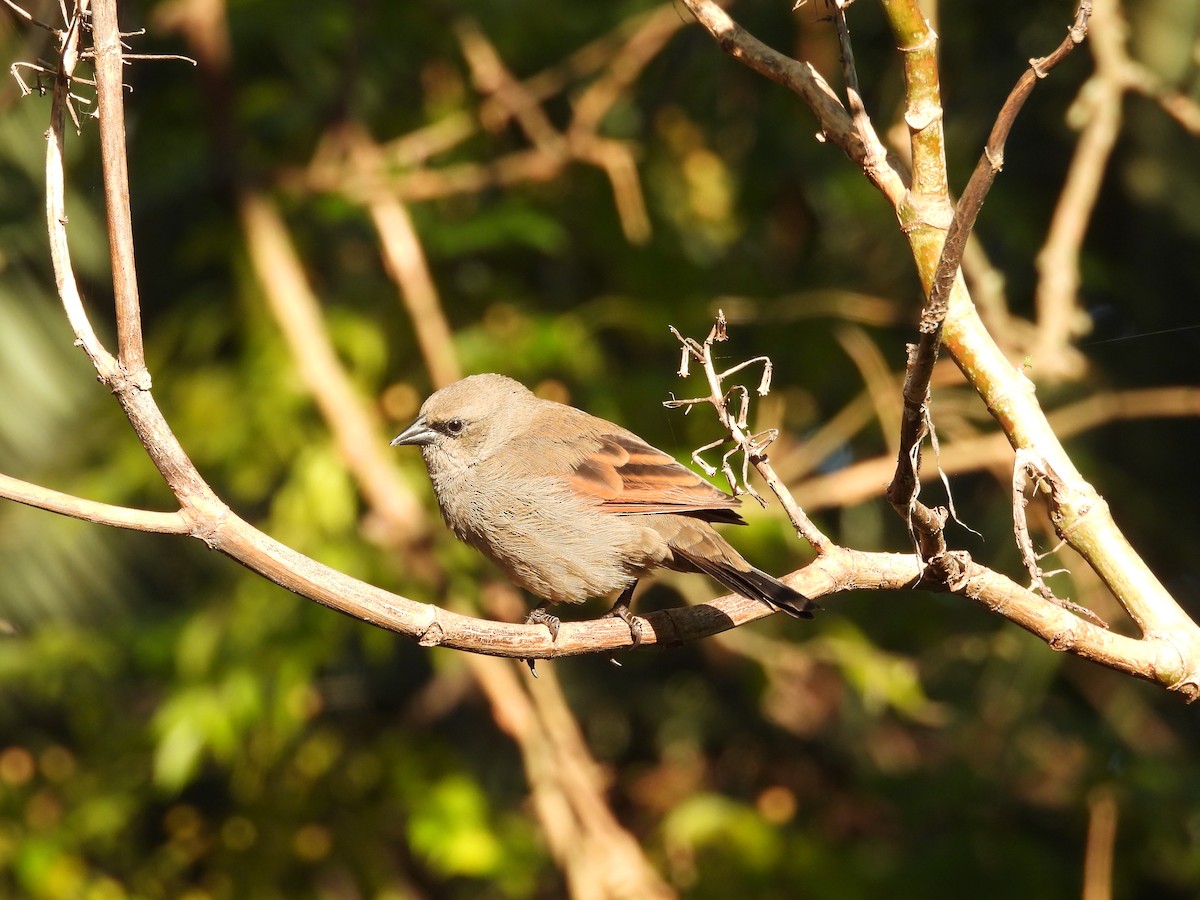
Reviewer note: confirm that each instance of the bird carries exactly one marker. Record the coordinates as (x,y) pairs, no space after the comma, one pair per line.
(571,506)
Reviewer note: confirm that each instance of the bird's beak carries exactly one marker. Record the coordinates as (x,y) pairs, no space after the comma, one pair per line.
(417,433)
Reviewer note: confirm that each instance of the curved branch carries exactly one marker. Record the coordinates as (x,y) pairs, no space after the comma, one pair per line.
(837,570)
(56,206)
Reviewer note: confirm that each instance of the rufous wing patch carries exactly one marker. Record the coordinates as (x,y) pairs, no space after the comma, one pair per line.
(630,477)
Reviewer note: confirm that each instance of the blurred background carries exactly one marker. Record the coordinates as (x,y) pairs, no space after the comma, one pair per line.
(345,205)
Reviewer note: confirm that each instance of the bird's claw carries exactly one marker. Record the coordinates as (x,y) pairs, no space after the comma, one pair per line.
(636,627)
(539,616)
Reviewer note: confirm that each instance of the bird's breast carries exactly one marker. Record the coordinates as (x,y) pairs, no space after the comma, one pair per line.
(547,540)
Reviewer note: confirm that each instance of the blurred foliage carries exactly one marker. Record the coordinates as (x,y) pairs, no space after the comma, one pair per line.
(172,726)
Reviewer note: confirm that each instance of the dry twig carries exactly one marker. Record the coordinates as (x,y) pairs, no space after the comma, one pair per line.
(752,446)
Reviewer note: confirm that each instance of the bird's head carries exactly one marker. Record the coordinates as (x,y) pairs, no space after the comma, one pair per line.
(465,421)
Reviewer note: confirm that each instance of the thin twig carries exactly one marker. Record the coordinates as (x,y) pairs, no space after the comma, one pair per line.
(33,20)
(91,510)
(837,125)
(1027,470)
(854,100)
(752,446)
(56,214)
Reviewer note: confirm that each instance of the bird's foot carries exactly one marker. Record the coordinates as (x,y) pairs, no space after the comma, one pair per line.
(540,616)
(622,611)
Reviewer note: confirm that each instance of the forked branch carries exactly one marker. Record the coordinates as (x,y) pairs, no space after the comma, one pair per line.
(916,423)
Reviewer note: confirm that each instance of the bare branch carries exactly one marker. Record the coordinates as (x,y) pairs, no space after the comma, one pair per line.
(837,126)
(905,485)
(107,39)
(90,510)
(56,211)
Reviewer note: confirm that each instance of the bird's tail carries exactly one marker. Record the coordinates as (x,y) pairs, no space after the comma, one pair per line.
(757,585)
(772,590)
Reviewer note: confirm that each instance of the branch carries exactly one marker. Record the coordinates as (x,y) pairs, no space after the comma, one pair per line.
(107,45)
(56,206)
(836,124)
(915,424)
(90,510)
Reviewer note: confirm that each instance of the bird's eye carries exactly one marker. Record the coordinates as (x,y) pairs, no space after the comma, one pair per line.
(454,426)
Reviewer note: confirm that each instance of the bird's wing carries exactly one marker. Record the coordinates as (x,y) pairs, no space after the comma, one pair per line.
(630,477)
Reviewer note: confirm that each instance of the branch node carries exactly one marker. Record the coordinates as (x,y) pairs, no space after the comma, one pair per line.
(206,525)
(434,633)
(1038,65)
